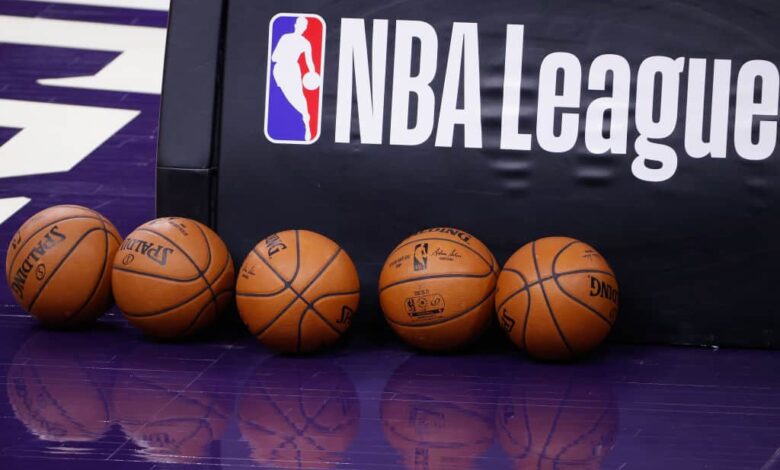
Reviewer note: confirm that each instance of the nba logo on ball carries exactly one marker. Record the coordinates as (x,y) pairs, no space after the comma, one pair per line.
(293,103)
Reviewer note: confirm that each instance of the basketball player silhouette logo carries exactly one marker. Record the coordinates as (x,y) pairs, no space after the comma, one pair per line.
(293,107)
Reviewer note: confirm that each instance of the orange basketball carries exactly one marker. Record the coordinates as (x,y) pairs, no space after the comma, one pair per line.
(298,415)
(173,277)
(436,288)
(297,291)
(58,265)
(557,298)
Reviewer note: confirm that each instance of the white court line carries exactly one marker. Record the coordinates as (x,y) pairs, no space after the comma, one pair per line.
(138,68)
(158,5)
(54,137)
(10,206)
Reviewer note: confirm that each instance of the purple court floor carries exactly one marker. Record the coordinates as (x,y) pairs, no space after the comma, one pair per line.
(108,398)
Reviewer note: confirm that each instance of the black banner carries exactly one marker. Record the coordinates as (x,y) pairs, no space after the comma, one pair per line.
(646,129)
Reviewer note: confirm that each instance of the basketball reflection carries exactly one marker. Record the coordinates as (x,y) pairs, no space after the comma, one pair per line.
(298,413)
(57,386)
(161,412)
(557,424)
(435,415)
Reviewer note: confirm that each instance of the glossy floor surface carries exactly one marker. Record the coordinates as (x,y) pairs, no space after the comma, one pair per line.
(108,398)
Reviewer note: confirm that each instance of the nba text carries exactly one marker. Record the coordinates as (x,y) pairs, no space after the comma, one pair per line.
(655,107)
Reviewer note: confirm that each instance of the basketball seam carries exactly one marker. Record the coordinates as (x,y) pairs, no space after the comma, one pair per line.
(581,303)
(444,320)
(554,276)
(156,276)
(99,279)
(528,287)
(525,320)
(309,305)
(300,329)
(98,215)
(201,273)
(560,252)
(435,276)
(203,309)
(490,263)
(208,247)
(334,294)
(277,273)
(547,301)
(567,294)
(264,294)
(297,295)
(527,307)
(208,265)
(184,252)
(27,240)
(524,288)
(183,302)
(57,267)
(270,323)
(287,284)
(322,317)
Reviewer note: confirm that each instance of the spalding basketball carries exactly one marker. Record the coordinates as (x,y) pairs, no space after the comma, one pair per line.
(436,288)
(296,415)
(557,298)
(549,426)
(173,277)
(297,291)
(58,265)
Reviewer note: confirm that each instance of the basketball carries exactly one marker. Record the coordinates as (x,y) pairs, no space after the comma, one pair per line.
(557,298)
(173,277)
(549,426)
(297,415)
(297,291)
(436,289)
(436,415)
(58,265)
(311,81)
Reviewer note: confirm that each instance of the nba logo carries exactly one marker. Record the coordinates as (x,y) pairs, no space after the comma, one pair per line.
(293,98)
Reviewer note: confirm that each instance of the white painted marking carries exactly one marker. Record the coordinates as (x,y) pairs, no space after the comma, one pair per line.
(138,69)
(54,137)
(10,206)
(159,5)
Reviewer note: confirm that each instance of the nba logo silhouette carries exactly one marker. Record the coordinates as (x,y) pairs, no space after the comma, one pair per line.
(293,98)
